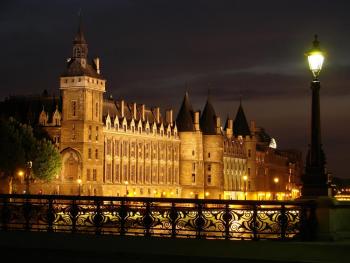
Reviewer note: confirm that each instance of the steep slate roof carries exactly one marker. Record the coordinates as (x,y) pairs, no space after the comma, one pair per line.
(208,119)
(184,120)
(240,124)
(74,68)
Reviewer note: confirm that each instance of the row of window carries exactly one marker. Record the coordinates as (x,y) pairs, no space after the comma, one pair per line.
(93,81)
(141,174)
(141,150)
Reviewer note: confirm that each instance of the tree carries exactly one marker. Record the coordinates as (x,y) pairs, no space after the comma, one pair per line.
(19,145)
(46,160)
(12,155)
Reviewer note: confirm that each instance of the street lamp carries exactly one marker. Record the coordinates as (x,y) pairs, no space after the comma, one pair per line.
(79,185)
(315,181)
(245,178)
(28,175)
(276,180)
(126,187)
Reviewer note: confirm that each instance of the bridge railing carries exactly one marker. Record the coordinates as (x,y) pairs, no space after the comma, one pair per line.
(163,217)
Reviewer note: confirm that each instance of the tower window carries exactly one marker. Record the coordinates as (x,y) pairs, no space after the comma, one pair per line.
(96,154)
(89,132)
(209,178)
(209,167)
(96,136)
(208,155)
(249,153)
(89,153)
(193,178)
(94,175)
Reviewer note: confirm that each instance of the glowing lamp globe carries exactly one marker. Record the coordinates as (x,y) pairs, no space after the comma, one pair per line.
(315,58)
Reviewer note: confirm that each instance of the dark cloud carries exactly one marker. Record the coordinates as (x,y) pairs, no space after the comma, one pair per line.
(152,51)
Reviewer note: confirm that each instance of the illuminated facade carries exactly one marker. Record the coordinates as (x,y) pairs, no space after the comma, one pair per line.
(115,148)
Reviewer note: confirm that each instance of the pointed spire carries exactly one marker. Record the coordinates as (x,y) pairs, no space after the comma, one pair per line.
(80,49)
(240,124)
(208,119)
(79,37)
(184,118)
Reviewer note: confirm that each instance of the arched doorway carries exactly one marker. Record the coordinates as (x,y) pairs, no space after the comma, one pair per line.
(71,171)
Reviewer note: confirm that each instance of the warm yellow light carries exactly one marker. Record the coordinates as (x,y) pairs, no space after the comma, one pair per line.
(315,58)
(245,178)
(79,181)
(126,182)
(276,180)
(20,173)
(191,193)
(315,62)
(207,193)
(172,193)
(164,193)
(268,195)
(154,191)
(134,193)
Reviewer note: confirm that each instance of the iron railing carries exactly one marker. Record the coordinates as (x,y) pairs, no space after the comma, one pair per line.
(163,217)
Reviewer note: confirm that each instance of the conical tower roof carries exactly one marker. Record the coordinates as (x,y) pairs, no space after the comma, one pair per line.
(208,119)
(240,124)
(184,120)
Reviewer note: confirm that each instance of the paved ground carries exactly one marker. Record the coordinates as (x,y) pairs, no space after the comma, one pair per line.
(59,247)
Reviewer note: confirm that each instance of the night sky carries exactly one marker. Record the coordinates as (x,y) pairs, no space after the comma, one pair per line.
(153,51)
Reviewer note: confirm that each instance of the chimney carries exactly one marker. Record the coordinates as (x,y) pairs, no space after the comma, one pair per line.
(252,127)
(196,121)
(169,116)
(122,106)
(134,110)
(229,129)
(143,112)
(218,125)
(157,111)
(97,64)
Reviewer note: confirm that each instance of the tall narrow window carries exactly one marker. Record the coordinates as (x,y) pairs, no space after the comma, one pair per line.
(117,173)
(209,167)
(89,153)
(88,175)
(249,153)
(96,110)
(74,108)
(193,178)
(109,172)
(90,132)
(96,136)
(94,175)
(96,154)
(209,178)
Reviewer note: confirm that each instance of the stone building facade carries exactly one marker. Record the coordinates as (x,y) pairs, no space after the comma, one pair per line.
(116,148)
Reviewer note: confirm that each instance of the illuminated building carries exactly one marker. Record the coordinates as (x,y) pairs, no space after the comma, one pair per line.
(116,148)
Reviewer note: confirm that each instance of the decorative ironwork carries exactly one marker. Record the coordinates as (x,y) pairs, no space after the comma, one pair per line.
(176,218)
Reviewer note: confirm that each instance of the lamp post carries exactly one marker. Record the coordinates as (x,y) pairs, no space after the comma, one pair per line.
(245,178)
(79,186)
(126,188)
(275,180)
(28,176)
(315,181)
